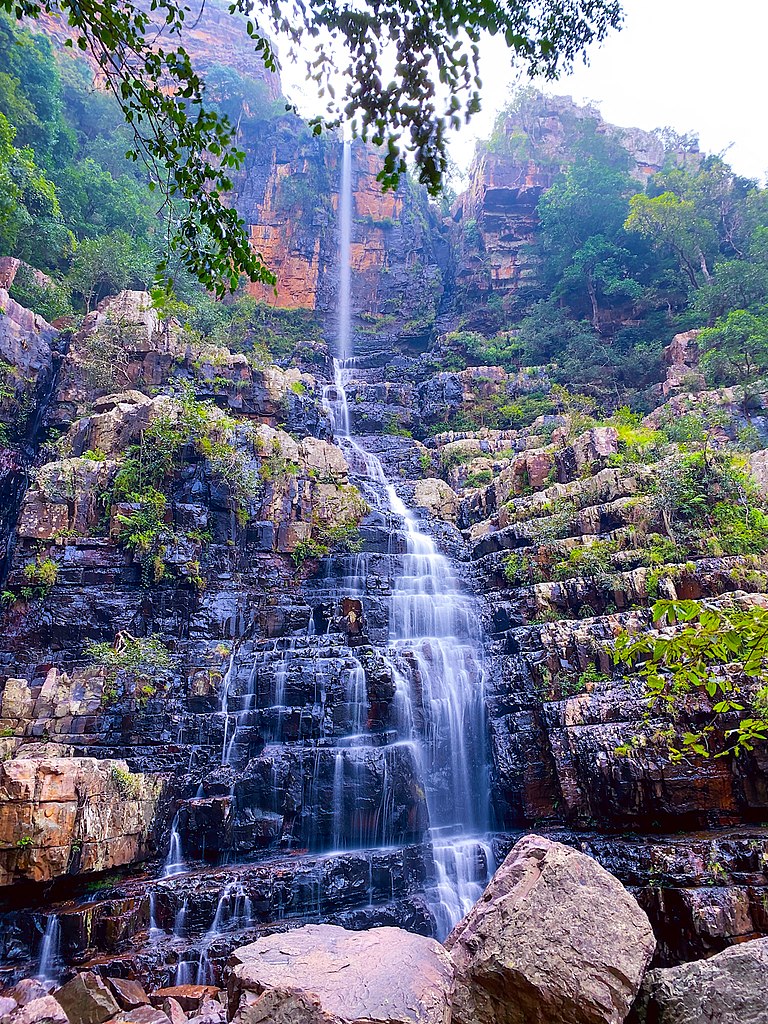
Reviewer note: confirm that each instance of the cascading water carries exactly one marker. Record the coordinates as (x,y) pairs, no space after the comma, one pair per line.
(434,647)
(50,950)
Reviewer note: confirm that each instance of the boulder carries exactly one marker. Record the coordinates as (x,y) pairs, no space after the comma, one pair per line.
(87,999)
(28,989)
(172,1009)
(437,497)
(142,1015)
(555,939)
(385,974)
(728,988)
(44,1010)
(129,994)
(7,1005)
(282,1006)
(189,997)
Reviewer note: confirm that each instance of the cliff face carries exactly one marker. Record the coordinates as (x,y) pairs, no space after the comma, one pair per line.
(288,194)
(202,732)
(496,217)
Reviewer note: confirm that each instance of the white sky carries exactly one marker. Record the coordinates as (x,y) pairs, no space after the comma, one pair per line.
(696,65)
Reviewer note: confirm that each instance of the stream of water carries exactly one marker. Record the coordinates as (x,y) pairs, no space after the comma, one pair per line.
(434,646)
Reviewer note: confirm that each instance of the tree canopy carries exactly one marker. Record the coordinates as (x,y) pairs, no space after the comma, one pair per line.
(190,146)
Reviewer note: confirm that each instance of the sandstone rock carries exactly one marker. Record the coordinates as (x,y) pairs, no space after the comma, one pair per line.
(143,1015)
(65,498)
(758,467)
(172,1009)
(555,939)
(324,459)
(384,974)
(72,807)
(17,699)
(189,997)
(682,359)
(28,989)
(129,993)
(437,497)
(25,339)
(595,445)
(6,1006)
(87,999)
(269,441)
(729,988)
(44,1010)
(210,1012)
(282,1006)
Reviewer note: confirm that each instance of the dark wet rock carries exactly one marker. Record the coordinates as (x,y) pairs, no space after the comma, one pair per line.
(729,988)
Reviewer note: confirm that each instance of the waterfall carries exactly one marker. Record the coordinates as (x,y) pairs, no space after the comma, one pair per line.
(50,950)
(174,862)
(345,248)
(434,647)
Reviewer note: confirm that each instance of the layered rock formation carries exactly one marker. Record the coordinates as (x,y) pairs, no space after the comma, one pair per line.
(211,738)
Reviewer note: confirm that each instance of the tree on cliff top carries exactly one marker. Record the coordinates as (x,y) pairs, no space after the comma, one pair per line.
(190,148)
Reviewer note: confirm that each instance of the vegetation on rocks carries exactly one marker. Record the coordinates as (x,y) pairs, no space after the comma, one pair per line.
(717,653)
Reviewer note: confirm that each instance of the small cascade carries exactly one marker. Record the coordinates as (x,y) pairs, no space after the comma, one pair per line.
(174,862)
(50,950)
(155,932)
(180,921)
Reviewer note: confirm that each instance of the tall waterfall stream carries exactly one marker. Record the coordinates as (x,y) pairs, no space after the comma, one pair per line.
(434,645)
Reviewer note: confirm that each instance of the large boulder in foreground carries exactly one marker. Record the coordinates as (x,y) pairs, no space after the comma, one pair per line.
(729,988)
(324,973)
(555,939)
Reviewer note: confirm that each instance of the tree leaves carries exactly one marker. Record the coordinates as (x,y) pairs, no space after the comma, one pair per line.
(191,150)
(719,653)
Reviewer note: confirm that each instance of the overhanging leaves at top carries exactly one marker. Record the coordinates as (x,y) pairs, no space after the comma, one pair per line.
(190,148)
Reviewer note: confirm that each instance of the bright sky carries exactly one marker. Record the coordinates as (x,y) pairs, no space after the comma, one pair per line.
(696,65)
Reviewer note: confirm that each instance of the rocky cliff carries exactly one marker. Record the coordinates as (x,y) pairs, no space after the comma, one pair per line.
(202,717)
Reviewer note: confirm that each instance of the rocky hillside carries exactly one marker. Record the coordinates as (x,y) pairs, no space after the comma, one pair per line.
(213,729)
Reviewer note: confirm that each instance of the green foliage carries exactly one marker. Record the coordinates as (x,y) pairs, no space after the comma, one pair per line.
(717,655)
(709,505)
(591,561)
(637,444)
(521,571)
(28,199)
(735,350)
(105,265)
(39,578)
(48,301)
(125,782)
(480,478)
(189,144)
(137,657)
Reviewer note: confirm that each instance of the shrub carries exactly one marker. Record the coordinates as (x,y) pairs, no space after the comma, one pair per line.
(40,577)
(125,782)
